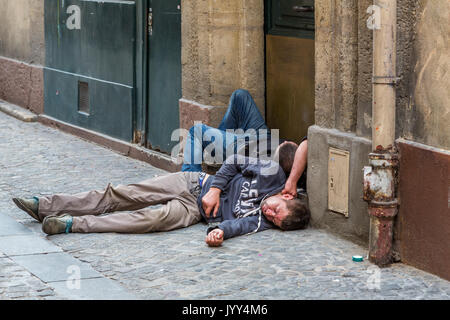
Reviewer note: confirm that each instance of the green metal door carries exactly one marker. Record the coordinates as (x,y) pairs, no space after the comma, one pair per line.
(89,67)
(164,82)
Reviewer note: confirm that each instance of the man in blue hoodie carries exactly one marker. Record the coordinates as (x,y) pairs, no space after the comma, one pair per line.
(243,197)
(242,123)
(246,198)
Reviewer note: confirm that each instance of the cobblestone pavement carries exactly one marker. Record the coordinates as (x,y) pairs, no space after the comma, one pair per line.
(306,264)
(17,283)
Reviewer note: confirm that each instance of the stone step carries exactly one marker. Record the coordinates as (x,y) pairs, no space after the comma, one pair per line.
(17,112)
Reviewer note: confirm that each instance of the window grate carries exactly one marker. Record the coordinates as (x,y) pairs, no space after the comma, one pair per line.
(83,97)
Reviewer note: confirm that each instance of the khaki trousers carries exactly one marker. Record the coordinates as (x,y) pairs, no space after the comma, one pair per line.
(176,191)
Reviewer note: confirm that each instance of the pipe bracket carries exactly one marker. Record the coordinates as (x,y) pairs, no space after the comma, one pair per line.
(386,80)
(383,212)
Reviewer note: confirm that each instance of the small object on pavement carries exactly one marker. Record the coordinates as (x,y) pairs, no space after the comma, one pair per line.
(357,258)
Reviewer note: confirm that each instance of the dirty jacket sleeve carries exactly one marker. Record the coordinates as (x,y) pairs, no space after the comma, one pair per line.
(243,226)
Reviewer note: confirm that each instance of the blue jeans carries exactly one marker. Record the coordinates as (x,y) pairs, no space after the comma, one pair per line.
(242,113)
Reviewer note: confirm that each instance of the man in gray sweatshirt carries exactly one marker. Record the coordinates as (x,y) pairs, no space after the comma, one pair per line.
(243,197)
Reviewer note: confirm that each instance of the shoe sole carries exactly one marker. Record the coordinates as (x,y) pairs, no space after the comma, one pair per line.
(24,208)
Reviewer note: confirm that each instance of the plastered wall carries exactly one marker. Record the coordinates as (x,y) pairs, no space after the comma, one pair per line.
(424,113)
(22,30)
(344,69)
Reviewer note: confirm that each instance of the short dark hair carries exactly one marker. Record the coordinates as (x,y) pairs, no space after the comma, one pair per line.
(286,155)
(299,215)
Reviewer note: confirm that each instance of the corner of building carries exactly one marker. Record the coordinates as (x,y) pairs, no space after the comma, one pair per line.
(356,225)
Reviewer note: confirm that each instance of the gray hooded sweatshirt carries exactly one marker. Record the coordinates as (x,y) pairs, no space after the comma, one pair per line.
(245,183)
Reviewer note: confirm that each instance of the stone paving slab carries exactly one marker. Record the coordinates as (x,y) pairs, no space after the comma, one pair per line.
(9,226)
(26,245)
(33,256)
(33,226)
(56,267)
(304,264)
(93,289)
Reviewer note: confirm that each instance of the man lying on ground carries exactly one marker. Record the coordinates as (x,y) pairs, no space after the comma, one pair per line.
(242,113)
(243,197)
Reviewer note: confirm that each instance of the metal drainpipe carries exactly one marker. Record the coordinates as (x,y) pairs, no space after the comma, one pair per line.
(380,176)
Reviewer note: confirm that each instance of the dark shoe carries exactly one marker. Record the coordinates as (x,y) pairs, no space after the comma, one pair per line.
(30,206)
(57,224)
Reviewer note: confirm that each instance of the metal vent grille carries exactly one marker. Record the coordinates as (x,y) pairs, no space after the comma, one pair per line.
(83,97)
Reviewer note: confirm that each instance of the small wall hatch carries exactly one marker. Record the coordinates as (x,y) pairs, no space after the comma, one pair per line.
(338,180)
(83,97)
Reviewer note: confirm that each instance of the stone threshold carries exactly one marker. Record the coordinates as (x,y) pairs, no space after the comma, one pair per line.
(17,112)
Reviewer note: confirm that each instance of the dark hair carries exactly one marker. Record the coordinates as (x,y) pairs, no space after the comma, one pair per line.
(286,155)
(298,217)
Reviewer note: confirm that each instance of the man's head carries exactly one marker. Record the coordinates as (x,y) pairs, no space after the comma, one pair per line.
(286,154)
(286,212)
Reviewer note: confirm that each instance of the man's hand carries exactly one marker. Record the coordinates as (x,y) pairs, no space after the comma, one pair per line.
(211,202)
(290,188)
(214,238)
(298,167)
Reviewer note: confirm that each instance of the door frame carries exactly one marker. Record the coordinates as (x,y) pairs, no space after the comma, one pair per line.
(142,75)
(271,28)
(140,114)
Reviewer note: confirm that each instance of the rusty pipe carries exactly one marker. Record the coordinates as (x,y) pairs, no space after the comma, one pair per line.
(380,177)
(380,192)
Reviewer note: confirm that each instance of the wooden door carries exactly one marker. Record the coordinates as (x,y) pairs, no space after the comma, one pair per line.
(290,66)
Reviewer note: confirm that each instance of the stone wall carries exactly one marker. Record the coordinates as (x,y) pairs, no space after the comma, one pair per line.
(22,84)
(22,53)
(22,30)
(344,69)
(344,60)
(222,50)
(336,64)
(356,226)
(424,112)
(343,111)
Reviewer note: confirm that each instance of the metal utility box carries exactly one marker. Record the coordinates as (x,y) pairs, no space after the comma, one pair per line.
(338,180)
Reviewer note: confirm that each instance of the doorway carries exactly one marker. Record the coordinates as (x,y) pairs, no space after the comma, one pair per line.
(289,36)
